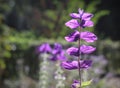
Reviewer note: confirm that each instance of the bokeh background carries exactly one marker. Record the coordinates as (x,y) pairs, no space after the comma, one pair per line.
(25,24)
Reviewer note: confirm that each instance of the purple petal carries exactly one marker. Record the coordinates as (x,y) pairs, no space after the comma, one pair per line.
(73,51)
(80,12)
(75,15)
(87,16)
(87,49)
(72,24)
(74,36)
(88,36)
(86,64)
(72,65)
(88,23)
(62,56)
(57,48)
(45,47)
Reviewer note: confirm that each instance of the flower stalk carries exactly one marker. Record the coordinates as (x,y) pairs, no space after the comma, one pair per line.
(79,20)
(43,72)
(59,76)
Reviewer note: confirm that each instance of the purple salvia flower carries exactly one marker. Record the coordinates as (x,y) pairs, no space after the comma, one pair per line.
(72,65)
(81,19)
(73,51)
(81,15)
(72,37)
(61,56)
(58,53)
(88,36)
(57,48)
(75,84)
(44,48)
(87,49)
(73,24)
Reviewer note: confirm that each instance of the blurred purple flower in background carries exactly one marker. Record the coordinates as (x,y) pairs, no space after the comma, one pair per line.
(44,48)
(57,48)
(58,53)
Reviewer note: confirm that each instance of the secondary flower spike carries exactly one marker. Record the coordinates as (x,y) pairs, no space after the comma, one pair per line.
(72,65)
(80,19)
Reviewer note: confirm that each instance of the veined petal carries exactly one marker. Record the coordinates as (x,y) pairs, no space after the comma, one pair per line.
(75,15)
(72,24)
(72,37)
(73,51)
(88,36)
(88,23)
(72,65)
(87,16)
(87,49)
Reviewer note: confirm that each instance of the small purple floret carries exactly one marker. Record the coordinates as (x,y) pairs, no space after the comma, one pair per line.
(44,48)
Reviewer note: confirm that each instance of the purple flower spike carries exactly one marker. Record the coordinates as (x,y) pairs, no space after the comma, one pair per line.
(72,65)
(87,49)
(72,24)
(75,84)
(74,36)
(44,48)
(88,36)
(73,51)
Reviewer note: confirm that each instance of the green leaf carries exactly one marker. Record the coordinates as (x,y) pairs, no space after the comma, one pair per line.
(84,84)
(87,83)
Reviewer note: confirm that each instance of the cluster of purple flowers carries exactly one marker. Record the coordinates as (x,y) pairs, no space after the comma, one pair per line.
(56,53)
(79,20)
